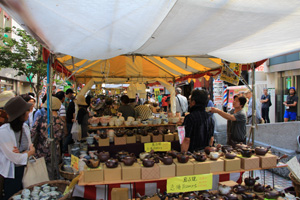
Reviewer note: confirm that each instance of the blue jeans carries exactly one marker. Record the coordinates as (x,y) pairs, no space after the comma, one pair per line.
(68,139)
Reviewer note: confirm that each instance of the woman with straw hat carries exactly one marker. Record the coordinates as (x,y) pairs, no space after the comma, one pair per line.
(82,115)
(39,133)
(15,145)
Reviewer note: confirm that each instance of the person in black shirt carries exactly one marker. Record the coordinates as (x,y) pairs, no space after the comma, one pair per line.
(199,126)
(291,105)
(265,101)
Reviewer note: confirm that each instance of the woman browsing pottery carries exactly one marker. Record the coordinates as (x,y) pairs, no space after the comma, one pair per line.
(39,133)
(15,145)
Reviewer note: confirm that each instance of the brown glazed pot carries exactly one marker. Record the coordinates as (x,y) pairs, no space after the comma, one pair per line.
(112,163)
(246,152)
(172,153)
(238,189)
(91,163)
(230,155)
(155,132)
(148,162)
(103,135)
(167,160)
(231,196)
(274,194)
(121,155)
(128,161)
(260,188)
(249,181)
(241,146)
(249,196)
(129,133)
(103,156)
(261,150)
(227,148)
(183,157)
(199,156)
(207,150)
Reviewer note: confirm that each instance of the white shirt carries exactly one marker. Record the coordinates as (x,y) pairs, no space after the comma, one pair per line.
(183,103)
(8,158)
(62,111)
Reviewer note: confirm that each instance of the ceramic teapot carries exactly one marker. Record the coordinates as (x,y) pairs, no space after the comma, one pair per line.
(241,146)
(261,188)
(249,196)
(227,148)
(224,189)
(148,162)
(103,135)
(230,155)
(103,156)
(128,161)
(112,163)
(155,132)
(208,149)
(182,157)
(189,195)
(130,133)
(261,150)
(92,163)
(199,156)
(246,152)
(167,160)
(214,155)
(273,194)
(122,154)
(249,181)
(172,153)
(144,155)
(231,196)
(238,189)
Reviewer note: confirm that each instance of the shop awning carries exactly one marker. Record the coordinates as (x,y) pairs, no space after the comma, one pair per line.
(140,68)
(237,31)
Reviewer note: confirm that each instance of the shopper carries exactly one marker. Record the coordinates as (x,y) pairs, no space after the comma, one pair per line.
(39,134)
(41,111)
(238,120)
(265,101)
(181,102)
(69,97)
(31,100)
(15,145)
(199,126)
(291,105)
(159,99)
(259,119)
(164,103)
(106,109)
(125,108)
(82,115)
(70,117)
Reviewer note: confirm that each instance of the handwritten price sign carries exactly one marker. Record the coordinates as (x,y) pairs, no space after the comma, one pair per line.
(74,162)
(189,183)
(157,146)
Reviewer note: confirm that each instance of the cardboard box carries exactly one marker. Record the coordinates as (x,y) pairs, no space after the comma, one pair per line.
(103,142)
(119,194)
(216,165)
(93,175)
(232,164)
(145,139)
(176,137)
(250,163)
(157,138)
(184,169)
(201,167)
(150,172)
(167,170)
(169,137)
(120,140)
(131,139)
(131,172)
(138,138)
(112,174)
(267,161)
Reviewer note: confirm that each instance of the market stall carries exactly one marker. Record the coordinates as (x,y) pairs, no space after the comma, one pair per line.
(239,31)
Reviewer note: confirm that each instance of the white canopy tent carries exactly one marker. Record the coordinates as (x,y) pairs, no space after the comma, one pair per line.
(240,31)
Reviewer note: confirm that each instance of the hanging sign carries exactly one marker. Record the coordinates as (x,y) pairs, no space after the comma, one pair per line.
(157,146)
(189,183)
(156,92)
(181,133)
(74,162)
(228,76)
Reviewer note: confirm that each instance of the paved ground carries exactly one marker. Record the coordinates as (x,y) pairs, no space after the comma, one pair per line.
(279,182)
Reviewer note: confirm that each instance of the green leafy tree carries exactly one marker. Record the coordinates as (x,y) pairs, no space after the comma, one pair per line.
(23,55)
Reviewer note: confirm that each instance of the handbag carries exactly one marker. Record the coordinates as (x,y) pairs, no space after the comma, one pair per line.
(35,172)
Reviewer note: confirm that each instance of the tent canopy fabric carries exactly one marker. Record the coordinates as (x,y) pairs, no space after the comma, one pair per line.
(237,31)
(140,68)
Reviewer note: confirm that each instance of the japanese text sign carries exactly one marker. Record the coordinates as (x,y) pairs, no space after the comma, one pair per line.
(157,146)
(74,162)
(189,183)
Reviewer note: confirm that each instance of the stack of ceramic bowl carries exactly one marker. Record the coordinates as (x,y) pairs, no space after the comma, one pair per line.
(104,120)
(90,140)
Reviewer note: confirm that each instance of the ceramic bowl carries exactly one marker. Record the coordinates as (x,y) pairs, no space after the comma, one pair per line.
(150,122)
(135,123)
(145,122)
(130,119)
(127,123)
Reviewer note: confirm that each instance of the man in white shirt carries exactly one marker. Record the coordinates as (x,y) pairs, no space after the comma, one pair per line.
(181,102)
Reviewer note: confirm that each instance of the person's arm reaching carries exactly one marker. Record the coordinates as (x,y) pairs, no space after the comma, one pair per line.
(185,144)
(223,114)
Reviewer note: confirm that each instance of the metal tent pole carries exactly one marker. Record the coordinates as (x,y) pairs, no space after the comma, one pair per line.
(253,103)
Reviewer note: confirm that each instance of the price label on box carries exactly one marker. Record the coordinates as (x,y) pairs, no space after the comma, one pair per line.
(189,183)
(74,162)
(157,146)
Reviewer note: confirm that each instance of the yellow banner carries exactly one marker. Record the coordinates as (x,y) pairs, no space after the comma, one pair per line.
(228,76)
(157,146)
(74,162)
(189,183)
